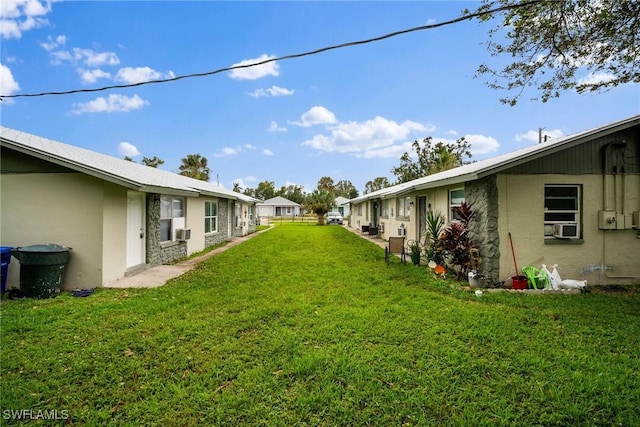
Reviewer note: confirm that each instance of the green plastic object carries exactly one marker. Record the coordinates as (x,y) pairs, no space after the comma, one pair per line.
(41,269)
(537,278)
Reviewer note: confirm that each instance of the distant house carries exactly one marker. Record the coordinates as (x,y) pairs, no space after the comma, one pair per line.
(277,207)
(117,216)
(341,205)
(572,201)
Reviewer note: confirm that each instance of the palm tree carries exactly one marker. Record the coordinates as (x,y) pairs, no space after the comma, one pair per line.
(195,166)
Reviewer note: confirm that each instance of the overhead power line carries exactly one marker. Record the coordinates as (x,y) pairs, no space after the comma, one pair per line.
(285,57)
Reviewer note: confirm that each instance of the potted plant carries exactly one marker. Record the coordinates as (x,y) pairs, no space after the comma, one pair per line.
(415,251)
(434,249)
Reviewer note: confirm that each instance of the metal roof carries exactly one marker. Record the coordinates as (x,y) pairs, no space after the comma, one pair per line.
(483,168)
(277,201)
(119,171)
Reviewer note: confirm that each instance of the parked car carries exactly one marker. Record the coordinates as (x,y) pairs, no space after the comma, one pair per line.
(334,218)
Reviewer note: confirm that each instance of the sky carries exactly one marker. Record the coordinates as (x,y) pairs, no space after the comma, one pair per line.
(348,113)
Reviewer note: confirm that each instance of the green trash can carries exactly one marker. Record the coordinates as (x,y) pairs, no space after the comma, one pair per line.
(41,269)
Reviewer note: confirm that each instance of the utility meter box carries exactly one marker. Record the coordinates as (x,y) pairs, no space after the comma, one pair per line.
(607,220)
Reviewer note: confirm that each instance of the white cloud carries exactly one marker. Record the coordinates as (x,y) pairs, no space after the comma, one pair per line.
(92,76)
(595,78)
(363,137)
(272,91)
(480,144)
(228,151)
(255,72)
(267,152)
(131,75)
(52,43)
(534,136)
(18,16)
(129,150)
(114,103)
(317,115)
(452,132)
(88,57)
(273,127)
(8,85)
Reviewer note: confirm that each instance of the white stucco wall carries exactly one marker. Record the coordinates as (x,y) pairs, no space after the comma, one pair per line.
(62,208)
(521,206)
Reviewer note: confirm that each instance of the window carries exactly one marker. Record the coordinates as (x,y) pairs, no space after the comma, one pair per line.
(171,209)
(456,199)
(404,207)
(238,214)
(384,208)
(210,216)
(562,211)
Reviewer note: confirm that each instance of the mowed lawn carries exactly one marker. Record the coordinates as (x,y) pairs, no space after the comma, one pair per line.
(306,325)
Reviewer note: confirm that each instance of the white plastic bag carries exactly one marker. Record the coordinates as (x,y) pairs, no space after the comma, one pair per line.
(552,280)
(556,275)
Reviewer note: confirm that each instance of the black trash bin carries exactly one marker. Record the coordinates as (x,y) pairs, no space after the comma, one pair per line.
(41,269)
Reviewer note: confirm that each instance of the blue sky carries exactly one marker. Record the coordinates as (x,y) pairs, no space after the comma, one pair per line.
(348,114)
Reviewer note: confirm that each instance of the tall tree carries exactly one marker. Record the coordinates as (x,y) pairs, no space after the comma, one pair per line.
(376,184)
(292,192)
(431,158)
(195,166)
(236,187)
(319,202)
(265,190)
(153,162)
(326,184)
(346,189)
(559,45)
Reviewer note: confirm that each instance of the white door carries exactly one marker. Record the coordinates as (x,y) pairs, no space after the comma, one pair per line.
(135,229)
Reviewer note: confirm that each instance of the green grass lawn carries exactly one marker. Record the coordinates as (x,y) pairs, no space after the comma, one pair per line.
(306,325)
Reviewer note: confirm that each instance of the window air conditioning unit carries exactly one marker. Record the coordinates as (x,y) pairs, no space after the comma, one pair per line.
(183,234)
(381,227)
(566,231)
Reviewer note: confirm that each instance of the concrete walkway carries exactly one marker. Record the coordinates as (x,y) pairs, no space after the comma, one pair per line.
(154,277)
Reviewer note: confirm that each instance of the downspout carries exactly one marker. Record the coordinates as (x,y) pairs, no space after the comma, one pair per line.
(618,203)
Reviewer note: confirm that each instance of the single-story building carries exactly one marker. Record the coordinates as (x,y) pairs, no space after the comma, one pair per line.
(341,205)
(118,217)
(572,201)
(277,207)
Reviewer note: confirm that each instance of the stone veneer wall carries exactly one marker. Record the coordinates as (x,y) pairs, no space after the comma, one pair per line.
(173,251)
(482,195)
(223,224)
(154,252)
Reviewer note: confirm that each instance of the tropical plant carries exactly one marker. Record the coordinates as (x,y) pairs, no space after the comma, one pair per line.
(461,251)
(434,247)
(195,166)
(319,202)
